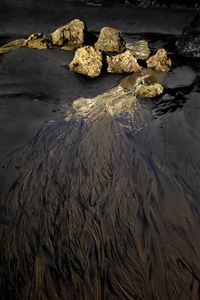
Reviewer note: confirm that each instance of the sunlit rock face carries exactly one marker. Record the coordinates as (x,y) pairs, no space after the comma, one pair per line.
(189,43)
(87,61)
(110,39)
(139,49)
(123,63)
(70,36)
(160,61)
(39,41)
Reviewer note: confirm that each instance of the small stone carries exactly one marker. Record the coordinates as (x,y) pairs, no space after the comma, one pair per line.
(160,61)
(69,36)
(140,49)
(110,39)
(87,61)
(150,91)
(123,63)
(38,41)
(13,45)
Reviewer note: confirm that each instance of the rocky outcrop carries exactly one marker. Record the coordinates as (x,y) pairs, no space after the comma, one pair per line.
(140,49)
(39,41)
(110,39)
(150,91)
(160,61)
(188,44)
(87,61)
(70,36)
(122,63)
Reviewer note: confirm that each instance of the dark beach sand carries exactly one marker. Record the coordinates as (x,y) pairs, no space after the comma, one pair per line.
(98,206)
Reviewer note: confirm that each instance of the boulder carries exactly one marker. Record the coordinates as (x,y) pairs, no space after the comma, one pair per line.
(110,39)
(70,36)
(160,61)
(38,41)
(188,45)
(150,91)
(87,61)
(123,63)
(140,49)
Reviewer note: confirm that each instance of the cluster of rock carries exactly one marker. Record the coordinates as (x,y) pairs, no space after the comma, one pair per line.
(88,60)
(109,50)
(68,37)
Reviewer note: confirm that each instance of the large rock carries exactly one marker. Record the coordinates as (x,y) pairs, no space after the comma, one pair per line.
(70,36)
(110,39)
(140,49)
(123,63)
(160,61)
(39,41)
(87,61)
(189,43)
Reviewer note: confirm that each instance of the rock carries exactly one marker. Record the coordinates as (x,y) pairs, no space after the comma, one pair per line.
(188,44)
(39,41)
(150,91)
(122,63)
(87,61)
(140,49)
(70,36)
(160,61)
(13,45)
(110,39)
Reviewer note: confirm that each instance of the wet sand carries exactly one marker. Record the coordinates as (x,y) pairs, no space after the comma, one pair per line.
(99,204)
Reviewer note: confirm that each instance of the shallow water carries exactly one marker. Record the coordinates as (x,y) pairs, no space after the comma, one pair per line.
(100,204)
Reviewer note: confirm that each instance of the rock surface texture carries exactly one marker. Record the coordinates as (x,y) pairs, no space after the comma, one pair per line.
(38,41)
(160,61)
(122,63)
(70,36)
(140,49)
(150,91)
(110,39)
(189,43)
(87,61)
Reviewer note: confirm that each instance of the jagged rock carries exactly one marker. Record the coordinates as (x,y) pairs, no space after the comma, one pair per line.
(38,41)
(87,61)
(122,63)
(140,49)
(70,36)
(13,45)
(110,39)
(188,44)
(150,91)
(160,61)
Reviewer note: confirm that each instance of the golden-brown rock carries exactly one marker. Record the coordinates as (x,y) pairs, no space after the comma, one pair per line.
(69,36)
(38,41)
(110,39)
(123,63)
(150,91)
(87,61)
(139,49)
(13,45)
(160,61)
